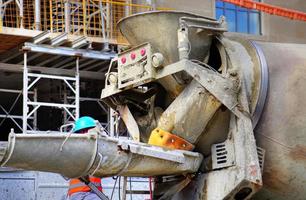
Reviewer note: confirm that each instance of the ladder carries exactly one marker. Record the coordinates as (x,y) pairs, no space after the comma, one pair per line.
(270,9)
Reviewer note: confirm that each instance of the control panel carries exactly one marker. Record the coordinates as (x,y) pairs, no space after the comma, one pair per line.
(135,67)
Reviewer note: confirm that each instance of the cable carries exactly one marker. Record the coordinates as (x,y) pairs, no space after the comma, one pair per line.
(114,186)
(100,160)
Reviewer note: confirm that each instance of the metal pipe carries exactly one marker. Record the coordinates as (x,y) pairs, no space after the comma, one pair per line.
(111,122)
(51,15)
(77,89)
(35,113)
(21,13)
(84,18)
(25,94)
(14,91)
(67,16)
(105,37)
(127,9)
(37,15)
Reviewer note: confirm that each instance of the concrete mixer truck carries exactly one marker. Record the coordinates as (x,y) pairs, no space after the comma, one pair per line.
(211,116)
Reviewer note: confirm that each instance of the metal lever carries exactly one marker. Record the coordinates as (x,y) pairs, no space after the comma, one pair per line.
(94,188)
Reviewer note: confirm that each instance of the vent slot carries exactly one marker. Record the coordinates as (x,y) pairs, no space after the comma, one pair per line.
(223,155)
(261,157)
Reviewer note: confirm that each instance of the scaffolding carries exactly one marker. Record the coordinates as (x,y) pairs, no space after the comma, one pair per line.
(30,107)
(52,58)
(94,18)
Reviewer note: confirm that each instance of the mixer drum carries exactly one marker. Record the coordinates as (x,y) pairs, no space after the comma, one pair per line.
(281,130)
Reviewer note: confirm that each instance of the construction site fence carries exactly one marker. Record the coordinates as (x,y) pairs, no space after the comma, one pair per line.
(94,18)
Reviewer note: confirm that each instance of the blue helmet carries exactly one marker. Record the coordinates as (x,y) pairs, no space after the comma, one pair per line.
(84,123)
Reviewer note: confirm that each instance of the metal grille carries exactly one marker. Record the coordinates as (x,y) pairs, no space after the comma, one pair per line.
(261,157)
(223,155)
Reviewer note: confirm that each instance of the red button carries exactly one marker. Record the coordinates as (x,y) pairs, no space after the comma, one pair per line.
(133,56)
(143,52)
(123,60)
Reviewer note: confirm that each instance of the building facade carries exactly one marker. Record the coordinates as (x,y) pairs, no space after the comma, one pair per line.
(267,27)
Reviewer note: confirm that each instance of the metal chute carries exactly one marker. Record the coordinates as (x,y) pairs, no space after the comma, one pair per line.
(82,154)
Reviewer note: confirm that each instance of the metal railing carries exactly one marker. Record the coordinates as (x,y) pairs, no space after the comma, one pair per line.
(95,18)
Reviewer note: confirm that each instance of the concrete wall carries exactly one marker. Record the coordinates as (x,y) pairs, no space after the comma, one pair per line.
(201,7)
(274,28)
(281,29)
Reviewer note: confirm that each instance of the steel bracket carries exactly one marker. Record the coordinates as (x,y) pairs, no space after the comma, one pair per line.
(178,156)
(222,88)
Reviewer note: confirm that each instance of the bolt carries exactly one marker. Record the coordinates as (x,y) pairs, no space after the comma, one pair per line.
(196,76)
(233,72)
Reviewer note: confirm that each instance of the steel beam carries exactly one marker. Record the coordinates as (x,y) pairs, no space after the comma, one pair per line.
(63,62)
(52,77)
(57,105)
(65,51)
(12,116)
(68,64)
(47,61)
(80,42)
(67,16)
(86,63)
(10,54)
(42,37)
(59,40)
(77,88)
(37,15)
(21,13)
(30,58)
(54,71)
(13,91)
(94,66)
(25,94)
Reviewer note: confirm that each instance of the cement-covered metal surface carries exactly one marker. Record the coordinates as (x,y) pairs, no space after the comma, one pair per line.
(281,129)
(142,28)
(241,86)
(78,155)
